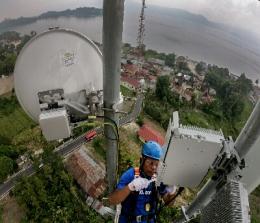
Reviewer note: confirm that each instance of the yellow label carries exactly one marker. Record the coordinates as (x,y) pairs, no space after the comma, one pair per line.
(147,207)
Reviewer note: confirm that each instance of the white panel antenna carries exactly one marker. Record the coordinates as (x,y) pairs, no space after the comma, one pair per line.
(191,151)
(251,174)
(230,204)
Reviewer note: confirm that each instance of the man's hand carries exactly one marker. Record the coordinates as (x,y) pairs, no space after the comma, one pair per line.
(171,189)
(139,183)
(171,192)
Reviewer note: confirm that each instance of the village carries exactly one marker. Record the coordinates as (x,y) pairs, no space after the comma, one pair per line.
(186,75)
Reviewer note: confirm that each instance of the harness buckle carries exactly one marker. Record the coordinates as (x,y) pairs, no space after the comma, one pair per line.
(139,218)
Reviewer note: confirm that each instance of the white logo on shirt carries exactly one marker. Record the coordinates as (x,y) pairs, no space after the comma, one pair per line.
(141,192)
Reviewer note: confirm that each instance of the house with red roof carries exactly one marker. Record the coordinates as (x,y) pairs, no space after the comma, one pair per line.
(130,83)
(147,133)
(130,69)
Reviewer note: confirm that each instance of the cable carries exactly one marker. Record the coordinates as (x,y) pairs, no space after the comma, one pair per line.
(115,126)
(111,120)
(114,129)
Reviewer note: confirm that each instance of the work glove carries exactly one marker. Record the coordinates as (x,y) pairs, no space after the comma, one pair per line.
(139,183)
(171,189)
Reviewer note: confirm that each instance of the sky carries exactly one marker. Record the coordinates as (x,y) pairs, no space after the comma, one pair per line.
(238,13)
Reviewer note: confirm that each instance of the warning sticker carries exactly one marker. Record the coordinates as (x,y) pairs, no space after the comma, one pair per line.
(68,59)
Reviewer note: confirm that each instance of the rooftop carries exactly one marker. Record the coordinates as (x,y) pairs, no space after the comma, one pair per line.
(89,174)
(147,133)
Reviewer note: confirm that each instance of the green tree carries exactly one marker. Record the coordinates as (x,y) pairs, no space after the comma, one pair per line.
(51,196)
(183,66)
(99,144)
(163,87)
(161,56)
(140,120)
(170,60)
(244,84)
(232,105)
(2,65)
(10,35)
(214,108)
(24,40)
(9,151)
(4,140)
(6,167)
(153,109)
(9,63)
(150,54)
(199,68)
(127,45)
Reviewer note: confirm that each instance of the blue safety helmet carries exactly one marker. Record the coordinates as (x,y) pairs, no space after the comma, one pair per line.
(152,150)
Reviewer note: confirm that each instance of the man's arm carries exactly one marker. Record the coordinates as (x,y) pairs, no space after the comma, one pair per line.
(119,195)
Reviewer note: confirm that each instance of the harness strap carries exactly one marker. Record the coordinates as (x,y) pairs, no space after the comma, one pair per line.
(134,195)
(137,172)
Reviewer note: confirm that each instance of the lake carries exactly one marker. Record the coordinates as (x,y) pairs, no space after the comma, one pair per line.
(174,31)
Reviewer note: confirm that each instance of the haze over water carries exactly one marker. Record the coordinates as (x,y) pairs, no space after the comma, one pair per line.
(170,30)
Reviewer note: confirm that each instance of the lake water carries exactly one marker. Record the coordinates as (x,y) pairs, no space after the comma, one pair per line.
(172,33)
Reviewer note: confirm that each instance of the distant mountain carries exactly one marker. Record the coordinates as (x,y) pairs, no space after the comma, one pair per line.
(84,12)
(183,14)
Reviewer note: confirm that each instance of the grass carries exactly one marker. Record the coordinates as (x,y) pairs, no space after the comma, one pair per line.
(14,123)
(254,200)
(99,143)
(129,151)
(201,119)
(13,119)
(126,92)
(245,114)
(194,117)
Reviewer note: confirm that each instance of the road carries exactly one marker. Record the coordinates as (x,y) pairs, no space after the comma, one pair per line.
(136,111)
(67,148)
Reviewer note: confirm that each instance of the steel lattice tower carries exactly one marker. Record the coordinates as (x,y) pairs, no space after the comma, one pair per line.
(141,30)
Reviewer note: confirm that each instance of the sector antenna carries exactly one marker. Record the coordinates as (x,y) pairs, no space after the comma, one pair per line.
(58,80)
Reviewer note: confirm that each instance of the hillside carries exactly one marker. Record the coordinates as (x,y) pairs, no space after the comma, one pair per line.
(83,12)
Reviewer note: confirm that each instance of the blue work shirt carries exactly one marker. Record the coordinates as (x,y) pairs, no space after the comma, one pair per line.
(140,199)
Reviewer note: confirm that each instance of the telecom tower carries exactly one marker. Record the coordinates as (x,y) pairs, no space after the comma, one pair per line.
(141,34)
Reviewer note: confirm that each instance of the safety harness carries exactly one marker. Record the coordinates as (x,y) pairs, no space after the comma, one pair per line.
(133,200)
(157,202)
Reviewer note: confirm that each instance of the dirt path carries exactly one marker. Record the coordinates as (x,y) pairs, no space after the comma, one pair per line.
(6,84)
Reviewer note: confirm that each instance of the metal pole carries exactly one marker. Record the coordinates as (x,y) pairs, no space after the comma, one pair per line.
(202,199)
(113,14)
(249,133)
